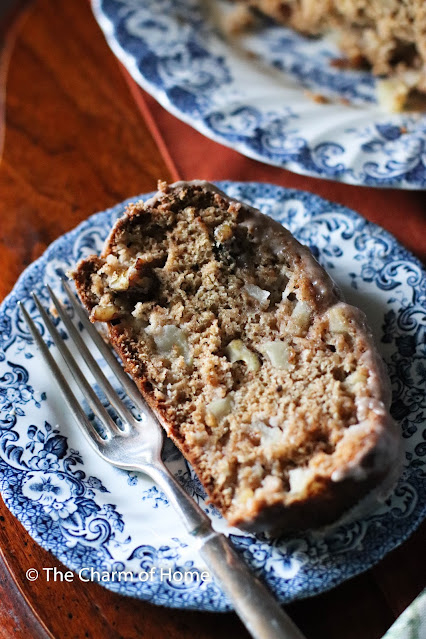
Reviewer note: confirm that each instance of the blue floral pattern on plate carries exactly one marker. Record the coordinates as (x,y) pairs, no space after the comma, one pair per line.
(91,515)
(175,49)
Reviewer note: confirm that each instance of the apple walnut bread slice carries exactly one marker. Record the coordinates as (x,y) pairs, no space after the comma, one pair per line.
(267,382)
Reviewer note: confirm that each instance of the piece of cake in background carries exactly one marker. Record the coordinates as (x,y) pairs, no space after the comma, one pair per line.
(389,35)
(269,384)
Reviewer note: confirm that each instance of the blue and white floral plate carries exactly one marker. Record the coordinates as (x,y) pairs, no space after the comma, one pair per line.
(91,515)
(177,51)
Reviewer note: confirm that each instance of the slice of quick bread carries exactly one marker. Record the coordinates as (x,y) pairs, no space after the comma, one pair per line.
(268,383)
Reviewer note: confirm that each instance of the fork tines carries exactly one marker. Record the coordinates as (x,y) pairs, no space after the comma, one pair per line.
(68,394)
(110,427)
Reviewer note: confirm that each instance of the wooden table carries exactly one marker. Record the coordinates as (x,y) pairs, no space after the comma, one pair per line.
(75,143)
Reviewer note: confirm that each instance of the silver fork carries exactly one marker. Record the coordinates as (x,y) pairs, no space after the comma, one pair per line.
(136,444)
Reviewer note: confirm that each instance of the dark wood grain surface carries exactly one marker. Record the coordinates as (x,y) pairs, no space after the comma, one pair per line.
(75,142)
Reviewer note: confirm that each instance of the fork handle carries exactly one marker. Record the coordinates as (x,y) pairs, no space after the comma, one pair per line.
(254,604)
(257,608)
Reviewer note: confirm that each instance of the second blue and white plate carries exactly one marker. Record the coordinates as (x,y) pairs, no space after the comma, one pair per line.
(94,517)
(249,92)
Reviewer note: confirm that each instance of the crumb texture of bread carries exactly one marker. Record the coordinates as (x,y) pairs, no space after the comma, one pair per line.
(388,34)
(266,380)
